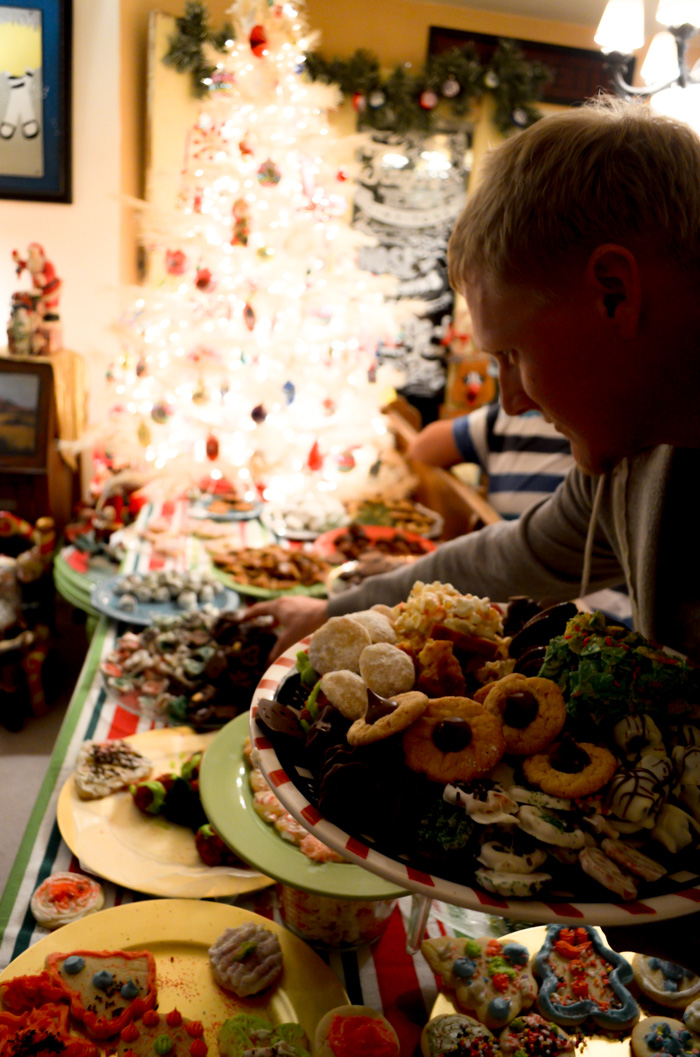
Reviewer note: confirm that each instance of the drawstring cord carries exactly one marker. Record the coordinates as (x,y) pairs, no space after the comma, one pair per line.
(588,552)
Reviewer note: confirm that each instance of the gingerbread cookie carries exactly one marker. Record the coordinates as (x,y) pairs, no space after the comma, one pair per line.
(532,710)
(455,740)
(665,982)
(456,1033)
(338,644)
(655,1035)
(533,1036)
(486,977)
(582,979)
(385,717)
(571,769)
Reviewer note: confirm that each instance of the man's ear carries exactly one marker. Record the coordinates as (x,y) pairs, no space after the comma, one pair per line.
(612,273)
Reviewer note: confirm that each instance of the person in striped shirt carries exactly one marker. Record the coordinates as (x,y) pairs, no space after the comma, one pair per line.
(523,457)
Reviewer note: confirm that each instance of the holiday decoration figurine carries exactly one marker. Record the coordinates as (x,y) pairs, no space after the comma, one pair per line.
(34,328)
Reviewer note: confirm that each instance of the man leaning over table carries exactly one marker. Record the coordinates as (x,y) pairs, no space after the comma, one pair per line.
(579,257)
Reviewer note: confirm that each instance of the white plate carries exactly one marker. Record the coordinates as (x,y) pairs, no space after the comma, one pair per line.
(104,600)
(682,897)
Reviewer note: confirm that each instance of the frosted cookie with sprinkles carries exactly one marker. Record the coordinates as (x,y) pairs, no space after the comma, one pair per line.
(533,1036)
(655,1035)
(665,982)
(487,978)
(457,1034)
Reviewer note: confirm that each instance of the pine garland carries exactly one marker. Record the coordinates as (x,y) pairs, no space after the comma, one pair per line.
(407,99)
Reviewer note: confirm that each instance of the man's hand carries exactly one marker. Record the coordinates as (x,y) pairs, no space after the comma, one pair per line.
(294,617)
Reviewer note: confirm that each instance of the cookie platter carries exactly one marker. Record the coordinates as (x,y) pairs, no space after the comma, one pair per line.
(668,885)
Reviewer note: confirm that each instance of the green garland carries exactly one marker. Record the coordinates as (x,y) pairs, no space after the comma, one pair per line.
(406,99)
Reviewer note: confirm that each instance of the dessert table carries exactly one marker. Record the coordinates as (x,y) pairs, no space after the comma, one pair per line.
(386,975)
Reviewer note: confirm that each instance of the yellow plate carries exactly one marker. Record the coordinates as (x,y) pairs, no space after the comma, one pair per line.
(113,839)
(178,932)
(590,1045)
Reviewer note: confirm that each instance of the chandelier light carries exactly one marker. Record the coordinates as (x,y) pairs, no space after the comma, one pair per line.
(665,69)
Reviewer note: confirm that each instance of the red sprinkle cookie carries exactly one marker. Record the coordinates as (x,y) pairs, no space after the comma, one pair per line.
(65,897)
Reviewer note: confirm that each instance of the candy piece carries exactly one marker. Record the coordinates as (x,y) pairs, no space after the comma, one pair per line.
(655,1035)
(597,865)
(486,802)
(637,734)
(582,978)
(454,1034)
(246,960)
(549,827)
(485,976)
(515,853)
(533,1036)
(633,860)
(511,885)
(665,982)
(106,1006)
(675,829)
(65,897)
(349,1031)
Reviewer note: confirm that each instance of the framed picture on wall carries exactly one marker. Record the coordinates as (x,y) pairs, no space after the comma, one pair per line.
(35,99)
(577,73)
(26,395)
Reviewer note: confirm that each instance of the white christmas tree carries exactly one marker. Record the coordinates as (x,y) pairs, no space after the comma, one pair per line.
(251,351)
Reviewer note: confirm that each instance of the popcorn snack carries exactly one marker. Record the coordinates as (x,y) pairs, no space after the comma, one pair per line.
(246,960)
(455,1033)
(665,982)
(455,740)
(532,710)
(582,979)
(485,977)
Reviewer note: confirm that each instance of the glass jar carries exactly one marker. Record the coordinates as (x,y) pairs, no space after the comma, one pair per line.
(333,924)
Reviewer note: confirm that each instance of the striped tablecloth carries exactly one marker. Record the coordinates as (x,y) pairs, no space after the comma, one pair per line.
(385,976)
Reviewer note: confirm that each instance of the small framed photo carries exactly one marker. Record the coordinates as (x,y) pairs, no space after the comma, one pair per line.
(26,409)
(35,99)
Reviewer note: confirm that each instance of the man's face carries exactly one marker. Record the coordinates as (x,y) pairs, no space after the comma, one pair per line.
(556,357)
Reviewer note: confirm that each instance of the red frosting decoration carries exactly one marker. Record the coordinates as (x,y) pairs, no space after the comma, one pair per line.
(350,1036)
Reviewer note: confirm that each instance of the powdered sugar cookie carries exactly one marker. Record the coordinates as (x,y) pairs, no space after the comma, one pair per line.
(378,624)
(246,960)
(338,644)
(346,691)
(386,669)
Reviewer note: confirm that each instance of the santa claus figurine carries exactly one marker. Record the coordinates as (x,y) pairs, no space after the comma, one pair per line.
(44,295)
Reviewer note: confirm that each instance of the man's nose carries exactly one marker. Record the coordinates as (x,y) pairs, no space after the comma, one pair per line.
(514,399)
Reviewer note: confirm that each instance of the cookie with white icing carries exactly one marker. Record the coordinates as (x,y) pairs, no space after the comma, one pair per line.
(665,982)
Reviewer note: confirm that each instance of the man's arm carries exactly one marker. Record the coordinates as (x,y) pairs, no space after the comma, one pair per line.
(435,445)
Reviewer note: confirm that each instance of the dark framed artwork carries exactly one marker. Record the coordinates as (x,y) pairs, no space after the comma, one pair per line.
(577,73)
(35,99)
(26,394)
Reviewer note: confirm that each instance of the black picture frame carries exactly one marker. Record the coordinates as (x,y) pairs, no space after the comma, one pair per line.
(35,103)
(26,410)
(577,73)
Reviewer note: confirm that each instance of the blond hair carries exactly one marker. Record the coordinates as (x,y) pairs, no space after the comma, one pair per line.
(609,171)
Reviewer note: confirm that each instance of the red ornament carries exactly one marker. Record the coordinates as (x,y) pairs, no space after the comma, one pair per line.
(175,262)
(341,176)
(359,101)
(212,447)
(315,459)
(249,317)
(428,99)
(258,41)
(244,148)
(203,280)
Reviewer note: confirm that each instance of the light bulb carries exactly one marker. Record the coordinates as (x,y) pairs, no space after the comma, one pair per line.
(661,62)
(678,12)
(621,28)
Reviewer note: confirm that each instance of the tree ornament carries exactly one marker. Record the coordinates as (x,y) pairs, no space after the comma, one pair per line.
(268,174)
(341,176)
(140,367)
(143,434)
(244,148)
(329,406)
(376,99)
(266,253)
(204,281)
(109,373)
(200,395)
(258,41)
(428,99)
(289,390)
(249,316)
(212,447)
(359,101)
(315,459)
(241,223)
(491,79)
(451,88)
(258,414)
(520,117)
(175,262)
(346,461)
(161,412)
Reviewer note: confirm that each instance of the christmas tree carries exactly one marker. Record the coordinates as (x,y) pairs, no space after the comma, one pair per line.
(250,353)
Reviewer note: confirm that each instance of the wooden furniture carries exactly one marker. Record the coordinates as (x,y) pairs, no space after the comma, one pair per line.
(463,508)
(41,402)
